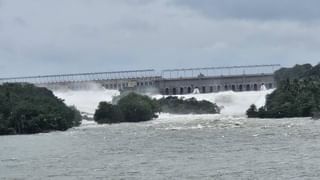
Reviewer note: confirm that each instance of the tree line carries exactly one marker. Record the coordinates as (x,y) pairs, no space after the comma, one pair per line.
(297,94)
(135,108)
(27,109)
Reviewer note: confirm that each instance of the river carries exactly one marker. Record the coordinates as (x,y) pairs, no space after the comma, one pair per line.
(226,146)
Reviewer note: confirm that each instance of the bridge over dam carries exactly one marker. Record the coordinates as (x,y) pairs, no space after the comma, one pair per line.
(169,81)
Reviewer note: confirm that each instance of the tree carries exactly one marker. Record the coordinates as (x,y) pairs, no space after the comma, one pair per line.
(130,108)
(108,113)
(26,109)
(296,96)
(136,108)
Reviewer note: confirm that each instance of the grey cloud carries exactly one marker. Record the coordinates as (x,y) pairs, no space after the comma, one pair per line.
(96,35)
(138,2)
(256,9)
(132,24)
(19,21)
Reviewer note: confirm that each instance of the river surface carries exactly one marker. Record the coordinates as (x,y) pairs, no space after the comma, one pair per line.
(172,147)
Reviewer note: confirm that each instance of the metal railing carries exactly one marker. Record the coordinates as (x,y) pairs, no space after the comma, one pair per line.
(220,71)
(81,77)
(146,73)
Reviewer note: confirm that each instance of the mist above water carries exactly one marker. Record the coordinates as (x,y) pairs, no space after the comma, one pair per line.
(232,103)
(86,100)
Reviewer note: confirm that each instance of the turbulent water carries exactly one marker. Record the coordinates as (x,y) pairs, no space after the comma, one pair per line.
(227,146)
(86,100)
(232,103)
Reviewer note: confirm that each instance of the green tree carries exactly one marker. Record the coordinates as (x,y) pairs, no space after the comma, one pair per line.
(131,107)
(136,108)
(296,96)
(108,113)
(26,109)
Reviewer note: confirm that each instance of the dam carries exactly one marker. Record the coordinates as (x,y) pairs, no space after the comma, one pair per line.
(167,82)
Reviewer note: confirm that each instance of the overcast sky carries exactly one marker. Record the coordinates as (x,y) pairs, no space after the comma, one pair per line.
(39,37)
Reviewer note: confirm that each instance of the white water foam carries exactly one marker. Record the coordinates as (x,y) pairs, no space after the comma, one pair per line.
(232,103)
(233,113)
(86,100)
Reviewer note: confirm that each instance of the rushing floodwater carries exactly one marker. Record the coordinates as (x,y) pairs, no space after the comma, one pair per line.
(171,147)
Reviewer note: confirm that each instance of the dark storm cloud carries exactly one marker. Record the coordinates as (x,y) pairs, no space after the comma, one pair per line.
(256,9)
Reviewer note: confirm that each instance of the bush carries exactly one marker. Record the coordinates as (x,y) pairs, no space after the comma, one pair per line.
(175,105)
(26,109)
(130,108)
(107,114)
(136,108)
(252,112)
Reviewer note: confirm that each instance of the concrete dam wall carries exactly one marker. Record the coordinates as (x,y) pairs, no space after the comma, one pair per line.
(216,84)
(168,82)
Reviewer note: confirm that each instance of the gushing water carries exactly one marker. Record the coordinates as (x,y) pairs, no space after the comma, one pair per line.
(86,100)
(227,146)
(232,103)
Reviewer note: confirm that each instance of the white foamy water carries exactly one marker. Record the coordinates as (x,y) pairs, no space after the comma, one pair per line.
(232,115)
(196,121)
(86,100)
(232,103)
(234,106)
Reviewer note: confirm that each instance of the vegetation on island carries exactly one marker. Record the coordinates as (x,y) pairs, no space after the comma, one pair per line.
(297,94)
(133,107)
(130,108)
(175,105)
(108,113)
(137,107)
(27,109)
